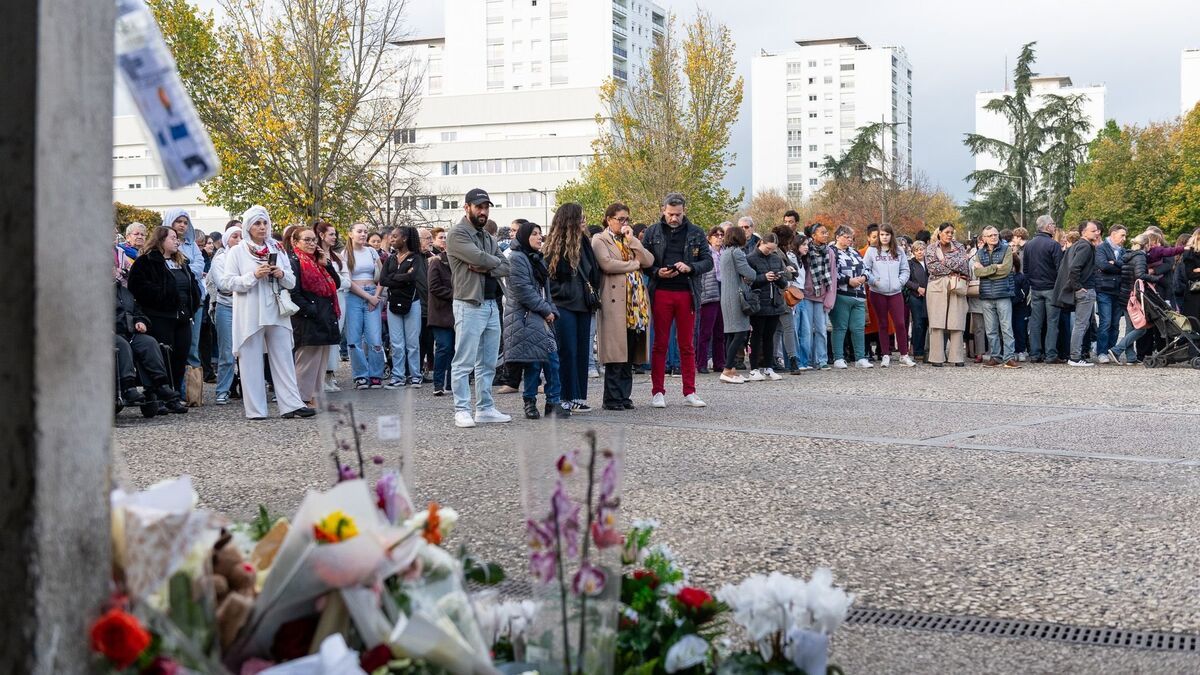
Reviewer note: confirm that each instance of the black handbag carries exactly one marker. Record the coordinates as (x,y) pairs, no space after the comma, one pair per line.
(590,297)
(748,299)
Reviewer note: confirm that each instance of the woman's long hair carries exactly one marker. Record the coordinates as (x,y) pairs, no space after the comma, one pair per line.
(350,246)
(321,227)
(155,241)
(565,237)
(892,247)
(410,238)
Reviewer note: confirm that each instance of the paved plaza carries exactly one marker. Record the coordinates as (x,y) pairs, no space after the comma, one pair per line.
(1046,494)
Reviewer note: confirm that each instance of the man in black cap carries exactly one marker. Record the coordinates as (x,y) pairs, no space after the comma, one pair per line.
(476,266)
(681,258)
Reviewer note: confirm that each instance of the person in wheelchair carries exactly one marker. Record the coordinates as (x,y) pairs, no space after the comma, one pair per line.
(140,354)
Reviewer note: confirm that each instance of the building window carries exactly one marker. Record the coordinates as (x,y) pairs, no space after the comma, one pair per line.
(812,114)
(812,64)
(847,66)
(549,164)
(449,136)
(828,131)
(558,50)
(133,186)
(847,84)
(495,52)
(812,182)
(812,80)
(402,136)
(812,148)
(794,152)
(793,68)
(449,168)
(795,189)
(435,84)
(794,121)
(558,72)
(793,135)
(153,182)
(828,79)
(812,165)
(812,97)
(522,165)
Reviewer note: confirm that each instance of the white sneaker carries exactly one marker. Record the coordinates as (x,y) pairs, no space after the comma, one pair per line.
(906,361)
(1081,364)
(1022,357)
(804,368)
(755,376)
(732,379)
(1103,358)
(659,401)
(491,416)
(463,419)
(693,401)
(772,375)
(840,364)
(863,363)
(593,374)
(331,386)
(887,361)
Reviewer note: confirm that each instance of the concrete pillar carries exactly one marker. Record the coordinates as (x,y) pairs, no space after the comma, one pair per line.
(56,362)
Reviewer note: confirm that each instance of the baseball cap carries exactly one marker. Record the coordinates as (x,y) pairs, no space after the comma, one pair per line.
(674,199)
(478,196)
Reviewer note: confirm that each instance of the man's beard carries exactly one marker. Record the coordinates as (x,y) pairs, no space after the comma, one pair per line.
(479,220)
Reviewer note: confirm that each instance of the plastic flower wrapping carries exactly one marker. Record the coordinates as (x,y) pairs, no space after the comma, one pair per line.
(571,490)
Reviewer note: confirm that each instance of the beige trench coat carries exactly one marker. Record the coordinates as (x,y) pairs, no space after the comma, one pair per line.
(611,329)
(947,309)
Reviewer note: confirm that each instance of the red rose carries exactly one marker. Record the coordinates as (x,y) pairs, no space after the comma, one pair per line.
(693,598)
(119,636)
(375,658)
(641,575)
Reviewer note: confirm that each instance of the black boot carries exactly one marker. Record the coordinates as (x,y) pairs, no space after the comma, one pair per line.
(130,393)
(556,410)
(531,409)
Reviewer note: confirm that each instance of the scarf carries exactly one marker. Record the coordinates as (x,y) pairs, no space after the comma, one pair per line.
(817,262)
(316,280)
(130,251)
(537,261)
(637,300)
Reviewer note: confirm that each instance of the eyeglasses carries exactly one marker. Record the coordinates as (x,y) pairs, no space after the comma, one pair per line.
(308,240)
(746,227)
(622,220)
(718,234)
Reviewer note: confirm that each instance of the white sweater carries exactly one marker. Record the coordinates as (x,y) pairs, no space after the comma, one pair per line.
(254,305)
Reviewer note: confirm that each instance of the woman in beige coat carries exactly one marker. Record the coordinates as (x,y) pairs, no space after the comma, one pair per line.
(946,296)
(624,317)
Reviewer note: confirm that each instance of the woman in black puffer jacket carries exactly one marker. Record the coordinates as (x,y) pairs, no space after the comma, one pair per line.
(1133,268)
(165,288)
(529,316)
(773,276)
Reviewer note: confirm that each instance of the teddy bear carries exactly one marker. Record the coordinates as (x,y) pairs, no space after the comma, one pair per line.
(233,586)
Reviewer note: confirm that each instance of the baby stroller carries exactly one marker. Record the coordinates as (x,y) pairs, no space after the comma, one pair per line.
(1181,332)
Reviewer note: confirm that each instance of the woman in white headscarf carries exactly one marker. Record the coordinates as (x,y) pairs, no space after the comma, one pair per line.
(220,290)
(257,271)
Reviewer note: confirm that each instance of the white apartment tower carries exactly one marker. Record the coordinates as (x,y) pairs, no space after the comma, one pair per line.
(994,125)
(808,104)
(1189,80)
(511,96)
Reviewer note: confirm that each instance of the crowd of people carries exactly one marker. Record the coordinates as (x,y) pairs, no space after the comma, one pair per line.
(544,309)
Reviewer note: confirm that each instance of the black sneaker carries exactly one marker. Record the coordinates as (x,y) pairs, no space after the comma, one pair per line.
(628,406)
(439,392)
(415,382)
(577,407)
(303,411)
(176,407)
(531,410)
(132,396)
(557,410)
(361,383)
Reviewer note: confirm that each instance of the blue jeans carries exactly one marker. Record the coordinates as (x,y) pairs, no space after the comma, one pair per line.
(533,373)
(405,332)
(849,314)
(194,350)
(1111,308)
(363,337)
(476,347)
(816,333)
(1128,342)
(803,324)
(224,325)
(997,321)
(573,330)
(443,352)
(592,345)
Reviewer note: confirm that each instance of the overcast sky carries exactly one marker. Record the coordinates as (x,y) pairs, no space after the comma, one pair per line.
(957,48)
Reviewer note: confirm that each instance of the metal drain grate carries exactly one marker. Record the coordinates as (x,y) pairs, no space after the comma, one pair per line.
(1107,637)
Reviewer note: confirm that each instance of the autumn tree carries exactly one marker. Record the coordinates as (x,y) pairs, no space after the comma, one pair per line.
(912,207)
(667,130)
(302,99)
(124,214)
(1183,214)
(767,208)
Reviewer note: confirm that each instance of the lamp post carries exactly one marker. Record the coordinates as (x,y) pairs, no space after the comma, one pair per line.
(1022,182)
(546,206)
(884,125)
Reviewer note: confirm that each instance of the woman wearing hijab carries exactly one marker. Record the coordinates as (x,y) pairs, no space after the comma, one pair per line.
(166,290)
(623,333)
(529,315)
(258,273)
(219,289)
(315,325)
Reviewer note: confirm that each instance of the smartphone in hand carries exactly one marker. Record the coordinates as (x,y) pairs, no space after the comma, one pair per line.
(271,259)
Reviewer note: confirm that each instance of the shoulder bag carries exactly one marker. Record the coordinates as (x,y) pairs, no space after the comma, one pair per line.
(1137,314)
(283,299)
(792,295)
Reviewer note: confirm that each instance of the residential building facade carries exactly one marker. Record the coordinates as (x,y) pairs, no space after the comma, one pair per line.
(138,179)
(510,98)
(1189,80)
(808,104)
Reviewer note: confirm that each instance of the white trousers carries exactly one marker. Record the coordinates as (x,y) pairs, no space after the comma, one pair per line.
(277,342)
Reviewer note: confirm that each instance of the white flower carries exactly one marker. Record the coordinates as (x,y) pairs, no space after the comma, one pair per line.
(807,650)
(630,613)
(672,588)
(688,652)
(767,607)
(827,605)
(661,551)
(645,524)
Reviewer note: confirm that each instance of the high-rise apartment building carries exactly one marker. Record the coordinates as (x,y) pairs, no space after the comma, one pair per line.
(809,103)
(138,178)
(994,125)
(1189,80)
(511,95)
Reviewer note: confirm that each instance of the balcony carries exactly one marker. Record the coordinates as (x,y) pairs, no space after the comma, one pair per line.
(619,7)
(618,29)
(620,52)
(658,19)
(622,75)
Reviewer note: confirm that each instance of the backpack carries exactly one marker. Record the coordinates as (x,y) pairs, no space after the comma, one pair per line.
(1137,314)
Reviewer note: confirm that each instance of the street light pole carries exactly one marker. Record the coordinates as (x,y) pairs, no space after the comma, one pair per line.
(545,205)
